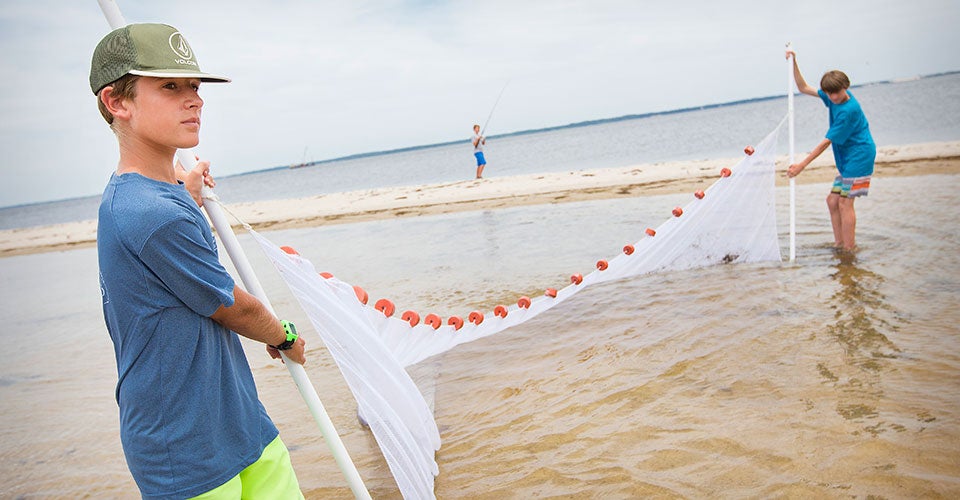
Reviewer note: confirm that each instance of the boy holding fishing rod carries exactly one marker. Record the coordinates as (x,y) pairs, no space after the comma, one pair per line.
(191,422)
(478,142)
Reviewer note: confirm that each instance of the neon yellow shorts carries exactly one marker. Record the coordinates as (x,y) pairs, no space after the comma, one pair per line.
(271,476)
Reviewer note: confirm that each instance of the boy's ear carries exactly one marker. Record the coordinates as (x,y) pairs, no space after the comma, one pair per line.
(117,106)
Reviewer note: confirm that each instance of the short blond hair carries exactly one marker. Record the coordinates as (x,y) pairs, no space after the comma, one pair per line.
(834,81)
(124,87)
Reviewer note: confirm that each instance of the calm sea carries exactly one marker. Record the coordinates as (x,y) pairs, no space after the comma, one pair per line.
(819,379)
(824,378)
(921,110)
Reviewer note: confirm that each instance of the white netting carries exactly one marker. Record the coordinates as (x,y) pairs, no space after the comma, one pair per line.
(735,221)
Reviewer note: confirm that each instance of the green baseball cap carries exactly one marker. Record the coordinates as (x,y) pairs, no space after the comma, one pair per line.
(146,50)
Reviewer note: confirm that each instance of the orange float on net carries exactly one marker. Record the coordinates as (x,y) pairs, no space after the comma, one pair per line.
(500,310)
(749,150)
(455,321)
(550,292)
(602,265)
(699,194)
(385,306)
(433,320)
(628,249)
(361,294)
(475,317)
(651,232)
(290,250)
(677,211)
(326,275)
(725,172)
(410,317)
(576,279)
(524,302)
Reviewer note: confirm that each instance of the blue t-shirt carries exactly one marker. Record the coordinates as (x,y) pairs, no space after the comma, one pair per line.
(190,418)
(849,134)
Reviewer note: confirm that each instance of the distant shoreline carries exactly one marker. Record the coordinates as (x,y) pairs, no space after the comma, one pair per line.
(495,193)
(587,123)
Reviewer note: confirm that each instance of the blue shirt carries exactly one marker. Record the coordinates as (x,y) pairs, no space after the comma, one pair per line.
(190,418)
(849,134)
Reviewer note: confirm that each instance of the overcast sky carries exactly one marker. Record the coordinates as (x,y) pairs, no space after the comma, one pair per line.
(334,78)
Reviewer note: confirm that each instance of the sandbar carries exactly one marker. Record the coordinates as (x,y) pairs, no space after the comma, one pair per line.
(493,193)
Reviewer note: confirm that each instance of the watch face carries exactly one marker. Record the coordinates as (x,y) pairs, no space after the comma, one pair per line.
(291,330)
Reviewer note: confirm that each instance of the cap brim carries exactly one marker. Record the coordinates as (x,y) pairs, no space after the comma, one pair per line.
(204,77)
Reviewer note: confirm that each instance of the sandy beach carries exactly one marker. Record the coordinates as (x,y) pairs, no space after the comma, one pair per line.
(498,192)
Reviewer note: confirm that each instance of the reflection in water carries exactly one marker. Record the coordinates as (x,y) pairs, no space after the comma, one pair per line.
(859,307)
(491,237)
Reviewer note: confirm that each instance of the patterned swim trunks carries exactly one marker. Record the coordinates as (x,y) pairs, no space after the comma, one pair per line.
(851,187)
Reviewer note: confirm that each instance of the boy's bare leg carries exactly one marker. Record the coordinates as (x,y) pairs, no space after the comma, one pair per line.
(848,223)
(833,204)
(480,171)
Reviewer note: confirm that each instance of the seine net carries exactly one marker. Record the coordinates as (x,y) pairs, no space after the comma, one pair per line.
(734,221)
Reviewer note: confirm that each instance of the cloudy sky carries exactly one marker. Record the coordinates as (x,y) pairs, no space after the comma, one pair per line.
(324,79)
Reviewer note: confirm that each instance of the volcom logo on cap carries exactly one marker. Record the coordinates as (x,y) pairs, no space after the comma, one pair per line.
(182,49)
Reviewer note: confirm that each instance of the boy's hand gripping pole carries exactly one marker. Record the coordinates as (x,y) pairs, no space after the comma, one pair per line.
(112,12)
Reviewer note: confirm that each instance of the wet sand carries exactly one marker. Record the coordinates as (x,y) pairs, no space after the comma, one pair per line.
(497,192)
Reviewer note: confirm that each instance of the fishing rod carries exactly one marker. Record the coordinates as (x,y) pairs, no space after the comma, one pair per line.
(494,107)
(230,242)
(793,184)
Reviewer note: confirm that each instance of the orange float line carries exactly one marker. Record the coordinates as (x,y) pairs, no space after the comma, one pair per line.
(385,306)
(475,317)
(749,150)
(361,294)
(326,275)
(433,320)
(290,250)
(410,317)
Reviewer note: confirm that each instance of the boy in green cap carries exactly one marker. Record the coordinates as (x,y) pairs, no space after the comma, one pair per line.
(191,423)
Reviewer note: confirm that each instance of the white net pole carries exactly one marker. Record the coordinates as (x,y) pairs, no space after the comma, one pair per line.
(116,20)
(793,183)
(299,375)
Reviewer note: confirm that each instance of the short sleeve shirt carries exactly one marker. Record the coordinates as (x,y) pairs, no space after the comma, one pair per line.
(853,148)
(479,140)
(190,417)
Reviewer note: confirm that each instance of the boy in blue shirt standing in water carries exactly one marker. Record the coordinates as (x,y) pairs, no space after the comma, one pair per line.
(853,150)
(191,423)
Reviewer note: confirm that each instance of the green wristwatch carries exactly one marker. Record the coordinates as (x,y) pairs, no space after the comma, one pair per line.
(291,336)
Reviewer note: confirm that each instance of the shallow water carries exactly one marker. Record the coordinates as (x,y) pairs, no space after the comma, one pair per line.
(823,378)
